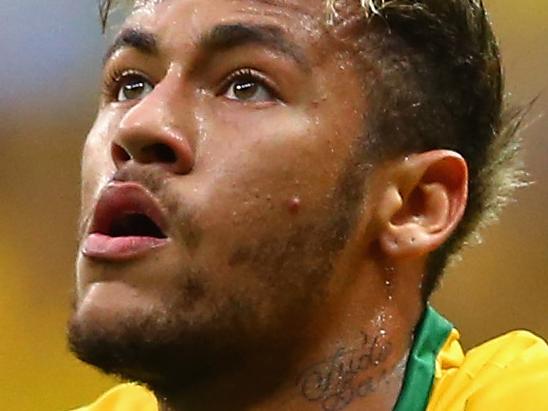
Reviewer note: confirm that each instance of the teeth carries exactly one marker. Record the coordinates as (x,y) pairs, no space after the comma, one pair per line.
(139,225)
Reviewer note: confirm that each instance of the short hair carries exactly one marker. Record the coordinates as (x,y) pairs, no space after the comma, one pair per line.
(441,87)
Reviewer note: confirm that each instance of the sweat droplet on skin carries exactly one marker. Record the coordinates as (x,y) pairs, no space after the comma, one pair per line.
(388,285)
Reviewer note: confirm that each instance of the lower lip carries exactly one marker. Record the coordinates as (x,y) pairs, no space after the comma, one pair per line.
(104,247)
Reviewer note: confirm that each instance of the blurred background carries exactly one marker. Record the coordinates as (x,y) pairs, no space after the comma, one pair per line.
(50,53)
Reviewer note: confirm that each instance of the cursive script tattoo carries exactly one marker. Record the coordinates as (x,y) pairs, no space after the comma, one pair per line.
(335,382)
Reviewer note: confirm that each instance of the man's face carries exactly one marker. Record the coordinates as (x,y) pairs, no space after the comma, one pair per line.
(233,129)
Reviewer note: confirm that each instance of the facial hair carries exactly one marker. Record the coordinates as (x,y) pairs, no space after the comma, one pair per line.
(166,348)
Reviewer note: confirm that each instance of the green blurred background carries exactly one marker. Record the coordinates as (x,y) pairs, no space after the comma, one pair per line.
(50,55)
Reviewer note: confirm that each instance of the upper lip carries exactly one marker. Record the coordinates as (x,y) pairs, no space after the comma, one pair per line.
(128,209)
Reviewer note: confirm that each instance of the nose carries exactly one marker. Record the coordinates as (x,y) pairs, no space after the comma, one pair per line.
(147,135)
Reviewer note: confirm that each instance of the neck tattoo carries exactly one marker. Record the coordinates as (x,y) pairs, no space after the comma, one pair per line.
(335,382)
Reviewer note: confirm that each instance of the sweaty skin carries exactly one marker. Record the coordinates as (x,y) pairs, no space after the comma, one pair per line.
(283,282)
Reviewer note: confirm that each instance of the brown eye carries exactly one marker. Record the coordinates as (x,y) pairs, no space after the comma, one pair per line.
(247,87)
(245,90)
(133,87)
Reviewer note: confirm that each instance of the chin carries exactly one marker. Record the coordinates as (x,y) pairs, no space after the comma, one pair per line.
(149,346)
(158,343)
(163,345)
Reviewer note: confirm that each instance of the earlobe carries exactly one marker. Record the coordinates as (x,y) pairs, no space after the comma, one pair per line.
(424,203)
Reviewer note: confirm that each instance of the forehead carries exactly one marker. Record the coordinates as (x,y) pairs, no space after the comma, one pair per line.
(306,16)
(180,23)
(179,26)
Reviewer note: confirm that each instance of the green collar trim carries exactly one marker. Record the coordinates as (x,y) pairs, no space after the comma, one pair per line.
(430,335)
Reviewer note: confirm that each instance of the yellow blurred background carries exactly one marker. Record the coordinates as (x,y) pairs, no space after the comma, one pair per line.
(50,55)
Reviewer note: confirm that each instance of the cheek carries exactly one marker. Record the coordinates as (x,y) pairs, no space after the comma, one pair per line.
(280,149)
(97,164)
(263,178)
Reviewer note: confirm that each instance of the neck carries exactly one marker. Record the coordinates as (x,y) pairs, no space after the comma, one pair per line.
(354,362)
(337,383)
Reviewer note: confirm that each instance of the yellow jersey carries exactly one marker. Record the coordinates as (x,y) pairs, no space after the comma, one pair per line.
(508,373)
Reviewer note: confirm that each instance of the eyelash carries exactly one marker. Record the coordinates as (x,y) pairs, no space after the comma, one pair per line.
(248,74)
(112,85)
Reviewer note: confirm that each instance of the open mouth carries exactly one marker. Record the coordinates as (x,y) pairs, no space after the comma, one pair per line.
(127,222)
(134,225)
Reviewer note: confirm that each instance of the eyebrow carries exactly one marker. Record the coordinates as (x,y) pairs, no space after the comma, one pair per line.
(143,41)
(222,37)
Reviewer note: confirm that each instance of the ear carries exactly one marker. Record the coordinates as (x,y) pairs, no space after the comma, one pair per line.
(423,203)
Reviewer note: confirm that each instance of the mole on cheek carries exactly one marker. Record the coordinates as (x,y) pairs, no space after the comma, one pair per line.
(294,205)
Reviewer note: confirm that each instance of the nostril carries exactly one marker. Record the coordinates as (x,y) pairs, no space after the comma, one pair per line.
(159,152)
(166,155)
(119,154)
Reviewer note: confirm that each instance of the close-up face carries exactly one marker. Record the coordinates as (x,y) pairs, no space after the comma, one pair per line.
(221,177)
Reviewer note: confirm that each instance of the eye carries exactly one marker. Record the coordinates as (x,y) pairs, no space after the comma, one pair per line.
(248,86)
(132,86)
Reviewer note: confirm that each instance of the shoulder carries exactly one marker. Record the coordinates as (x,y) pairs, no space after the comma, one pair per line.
(507,373)
(124,397)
